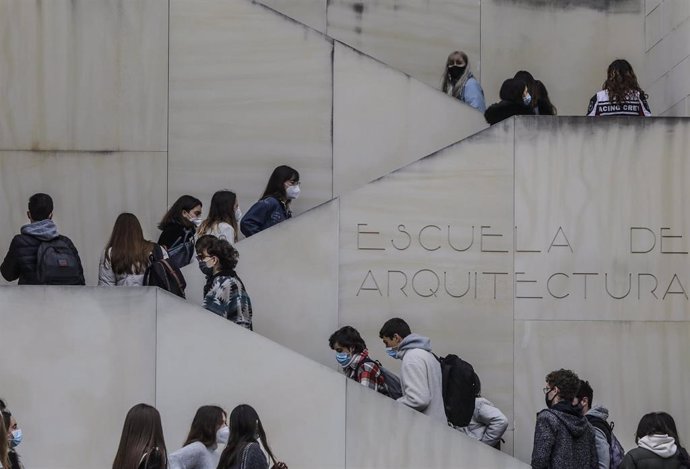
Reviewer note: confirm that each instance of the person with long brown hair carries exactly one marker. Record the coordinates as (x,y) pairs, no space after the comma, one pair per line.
(244,450)
(142,445)
(200,449)
(223,217)
(127,254)
(621,94)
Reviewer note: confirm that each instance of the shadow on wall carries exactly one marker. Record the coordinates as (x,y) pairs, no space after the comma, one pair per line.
(608,6)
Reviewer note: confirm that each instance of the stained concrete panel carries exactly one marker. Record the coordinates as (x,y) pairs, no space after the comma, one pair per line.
(601,201)
(84,75)
(204,359)
(411,36)
(310,12)
(633,367)
(78,356)
(89,191)
(291,274)
(384,120)
(431,243)
(413,440)
(546,38)
(249,90)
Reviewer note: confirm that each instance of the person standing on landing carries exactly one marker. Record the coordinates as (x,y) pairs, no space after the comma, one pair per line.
(621,94)
(459,82)
(420,373)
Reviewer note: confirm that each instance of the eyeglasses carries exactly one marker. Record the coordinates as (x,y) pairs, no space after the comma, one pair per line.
(547,390)
(201,257)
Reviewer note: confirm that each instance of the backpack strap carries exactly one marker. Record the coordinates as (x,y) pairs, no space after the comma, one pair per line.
(156,253)
(600,424)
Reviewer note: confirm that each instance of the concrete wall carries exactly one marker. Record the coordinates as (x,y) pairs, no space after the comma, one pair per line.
(99,351)
(512,248)
(667,46)
(567,44)
(126,105)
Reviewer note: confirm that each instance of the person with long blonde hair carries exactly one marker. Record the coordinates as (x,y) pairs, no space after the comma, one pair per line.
(459,82)
(127,254)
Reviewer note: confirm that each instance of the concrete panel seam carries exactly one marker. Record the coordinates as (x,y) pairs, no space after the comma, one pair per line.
(293,20)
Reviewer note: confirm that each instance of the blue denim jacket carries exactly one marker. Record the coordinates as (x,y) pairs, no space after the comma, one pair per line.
(264,214)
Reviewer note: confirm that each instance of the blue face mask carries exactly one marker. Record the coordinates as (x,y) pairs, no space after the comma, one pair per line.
(527,99)
(392,352)
(343,358)
(16,438)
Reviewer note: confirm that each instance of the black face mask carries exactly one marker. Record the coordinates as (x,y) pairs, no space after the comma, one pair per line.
(549,403)
(455,72)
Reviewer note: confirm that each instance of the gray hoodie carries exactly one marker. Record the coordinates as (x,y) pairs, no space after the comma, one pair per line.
(603,447)
(44,230)
(421,378)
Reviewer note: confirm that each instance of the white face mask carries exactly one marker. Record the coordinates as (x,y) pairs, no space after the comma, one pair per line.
(196,222)
(292,192)
(223,435)
(238,214)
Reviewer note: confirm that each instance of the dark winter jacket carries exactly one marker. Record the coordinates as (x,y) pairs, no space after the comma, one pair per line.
(563,439)
(655,452)
(171,233)
(251,457)
(264,214)
(505,109)
(20,261)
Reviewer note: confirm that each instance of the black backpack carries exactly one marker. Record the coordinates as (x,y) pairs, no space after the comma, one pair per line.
(162,273)
(460,386)
(57,263)
(181,252)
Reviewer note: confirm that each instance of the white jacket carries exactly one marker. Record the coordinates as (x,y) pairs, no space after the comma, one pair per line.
(107,277)
(488,424)
(421,378)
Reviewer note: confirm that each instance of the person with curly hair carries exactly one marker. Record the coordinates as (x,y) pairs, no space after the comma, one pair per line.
(224,293)
(563,438)
(621,94)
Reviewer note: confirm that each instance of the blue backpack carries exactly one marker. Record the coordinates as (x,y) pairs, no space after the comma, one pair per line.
(616,450)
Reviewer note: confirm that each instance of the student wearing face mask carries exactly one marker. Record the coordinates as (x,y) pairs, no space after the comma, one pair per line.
(224,293)
(459,82)
(563,438)
(178,228)
(274,206)
(353,357)
(420,372)
(184,216)
(14,438)
(515,101)
(223,216)
(200,450)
